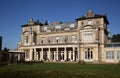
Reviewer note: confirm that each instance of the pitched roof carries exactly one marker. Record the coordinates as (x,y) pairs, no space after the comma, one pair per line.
(31,23)
(91,15)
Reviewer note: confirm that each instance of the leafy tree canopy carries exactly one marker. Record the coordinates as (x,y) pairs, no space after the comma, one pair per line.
(5,49)
(115,38)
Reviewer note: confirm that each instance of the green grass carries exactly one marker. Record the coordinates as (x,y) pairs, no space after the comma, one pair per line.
(61,69)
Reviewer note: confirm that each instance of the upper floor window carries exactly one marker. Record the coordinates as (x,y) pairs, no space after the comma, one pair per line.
(90,22)
(45,28)
(42,40)
(72,25)
(48,40)
(73,39)
(97,22)
(82,23)
(58,27)
(88,36)
(30,28)
(53,40)
(66,39)
(57,39)
(26,39)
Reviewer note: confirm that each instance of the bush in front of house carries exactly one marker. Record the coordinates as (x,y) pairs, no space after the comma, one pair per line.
(81,62)
(32,62)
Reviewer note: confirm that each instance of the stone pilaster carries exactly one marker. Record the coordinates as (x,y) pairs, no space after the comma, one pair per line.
(73,54)
(70,55)
(19,57)
(56,53)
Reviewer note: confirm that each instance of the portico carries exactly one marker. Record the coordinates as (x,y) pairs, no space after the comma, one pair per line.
(59,53)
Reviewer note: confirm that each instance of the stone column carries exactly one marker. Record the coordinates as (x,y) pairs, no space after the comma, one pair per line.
(48,54)
(56,53)
(19,57)
(65,54)
(70,55)
(35,54)
(115,56)
(78,54)
(73,53)
(30,55)
(41,54)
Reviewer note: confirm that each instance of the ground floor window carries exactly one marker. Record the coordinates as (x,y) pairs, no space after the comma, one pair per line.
(45,55)
(118,54)
(109,54)
(27,54)
(52,55)
(88,54)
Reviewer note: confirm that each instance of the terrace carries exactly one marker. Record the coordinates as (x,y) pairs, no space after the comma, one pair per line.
(112,45)
(59,27)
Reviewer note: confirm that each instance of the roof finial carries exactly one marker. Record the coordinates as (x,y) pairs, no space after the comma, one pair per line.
(31,21)
(46,23)
(90,13)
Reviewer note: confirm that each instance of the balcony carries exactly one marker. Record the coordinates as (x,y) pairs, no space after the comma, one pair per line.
(112,45)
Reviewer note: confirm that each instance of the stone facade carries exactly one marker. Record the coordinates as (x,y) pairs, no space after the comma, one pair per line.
(83,40)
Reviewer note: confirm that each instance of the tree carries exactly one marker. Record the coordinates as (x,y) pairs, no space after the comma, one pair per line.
(115,38)
(5,49)
(4,55)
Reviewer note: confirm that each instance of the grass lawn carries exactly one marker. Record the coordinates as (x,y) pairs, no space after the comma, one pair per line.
(68,70)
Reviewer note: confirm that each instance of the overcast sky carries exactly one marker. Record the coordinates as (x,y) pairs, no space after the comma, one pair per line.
(14,13)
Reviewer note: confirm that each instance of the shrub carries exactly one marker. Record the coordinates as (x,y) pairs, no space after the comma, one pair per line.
(3,63)
(32,62)
(81,62)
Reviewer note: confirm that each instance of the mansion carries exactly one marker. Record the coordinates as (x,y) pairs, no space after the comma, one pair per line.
(87,39)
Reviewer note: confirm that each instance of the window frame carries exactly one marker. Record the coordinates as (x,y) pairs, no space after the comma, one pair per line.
(27,40)
(109,54)
(118,54)
(90,22)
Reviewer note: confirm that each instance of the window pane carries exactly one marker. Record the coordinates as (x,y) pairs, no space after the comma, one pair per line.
(85,55)
(118,54)
(73,39)
(42,40)
(109,54)
(90,22)
(26,39)
(88,36)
